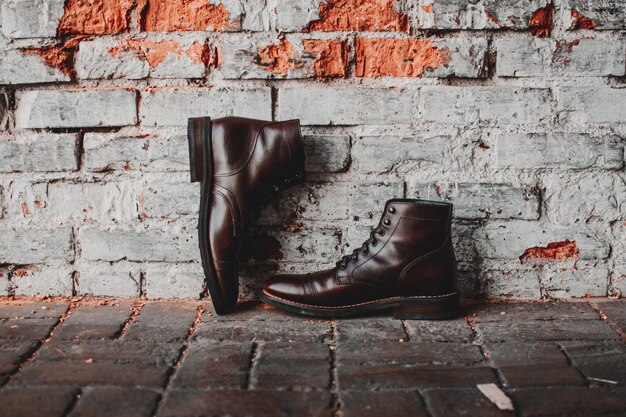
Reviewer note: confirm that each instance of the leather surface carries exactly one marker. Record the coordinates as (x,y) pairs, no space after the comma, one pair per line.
(251,159)
(413,257)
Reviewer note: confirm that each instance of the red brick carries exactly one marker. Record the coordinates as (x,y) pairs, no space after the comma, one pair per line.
(360,15)
(184,15)
(95,17)
(397,57)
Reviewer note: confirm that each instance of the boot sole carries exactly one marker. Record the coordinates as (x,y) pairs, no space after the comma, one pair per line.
(439,307)
(201,166)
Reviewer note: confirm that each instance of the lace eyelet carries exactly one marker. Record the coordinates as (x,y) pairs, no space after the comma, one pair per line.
(381,232)
(375,243)
(386,222)
(391,209)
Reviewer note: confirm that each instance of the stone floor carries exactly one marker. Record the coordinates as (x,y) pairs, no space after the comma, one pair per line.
(117,358)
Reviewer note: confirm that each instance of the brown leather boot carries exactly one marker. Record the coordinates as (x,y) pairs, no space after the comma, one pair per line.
(240,162)
(407,264)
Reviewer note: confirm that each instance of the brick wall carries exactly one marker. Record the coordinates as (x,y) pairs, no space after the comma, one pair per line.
(514,110)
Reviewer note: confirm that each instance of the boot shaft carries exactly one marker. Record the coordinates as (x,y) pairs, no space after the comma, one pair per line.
(413,254)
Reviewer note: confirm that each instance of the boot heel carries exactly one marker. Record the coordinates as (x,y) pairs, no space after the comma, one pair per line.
(198,131)
(436,308)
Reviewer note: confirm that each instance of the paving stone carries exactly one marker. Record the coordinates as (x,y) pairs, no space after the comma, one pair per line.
(162,321)
(88,372)
(29,309)
(245,403)
(272,331)
(91,320)
(214,365)
(440,331)
(543,374)
(461,402)
(36,401)
(160,354)
(599,360)
(378,404)
(26,328)
(528,353)
(369,329)
(389,377)
(12,353)
(115,401)
(408,353)
(615,311)
(508,331)
(297,366)
(572,401)
(510,311)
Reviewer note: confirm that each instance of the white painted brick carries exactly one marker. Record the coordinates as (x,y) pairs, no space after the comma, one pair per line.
(31,18)
(35,245)
(483,200)
(606,14)
(17,67)
(326,153)
(479,14)
(174,280)
(449,151)
(509,240)
(136,58)
(122,279)
(93,60)
(344,106)
(38,152)
(171,107)
(500,105)
(5,284)
(618,258)
(580,198)
(114,151)
(41,281)
(166,244)
(511,284)
(268,245)
(466,56)
(253,14)
(293,16)
(75,108)
(585,280)
(89,203)
(580,105)
(239,58)
(559,150)
(164,199)
(530,56)
(332,201)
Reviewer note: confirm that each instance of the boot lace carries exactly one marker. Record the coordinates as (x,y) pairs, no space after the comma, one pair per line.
(364,249)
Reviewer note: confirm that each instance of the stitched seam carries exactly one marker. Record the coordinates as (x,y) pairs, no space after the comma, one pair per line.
(230,209)
(421,258)
(233,200)
(416,297)
(245,164)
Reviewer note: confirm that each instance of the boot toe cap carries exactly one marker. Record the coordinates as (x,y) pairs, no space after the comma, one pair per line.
(285,286)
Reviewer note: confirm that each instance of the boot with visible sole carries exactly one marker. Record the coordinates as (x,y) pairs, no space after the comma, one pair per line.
(240,163)
(407,264)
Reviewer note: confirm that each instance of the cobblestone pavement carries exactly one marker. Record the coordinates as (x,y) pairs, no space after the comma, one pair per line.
(88,357)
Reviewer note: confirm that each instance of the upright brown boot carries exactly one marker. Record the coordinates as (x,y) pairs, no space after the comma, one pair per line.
(240,162)
(407,264)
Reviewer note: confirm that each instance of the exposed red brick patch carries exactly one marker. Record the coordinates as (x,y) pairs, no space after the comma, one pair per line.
(581,21)
(95,17)
(25,271)
(25,209)
(360,15)
(184,15)
(331,56)
(278,58)
(428,9)
(561,251)
(397,57)
(155,52)
(494,20)
(541,22)
(59,56)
